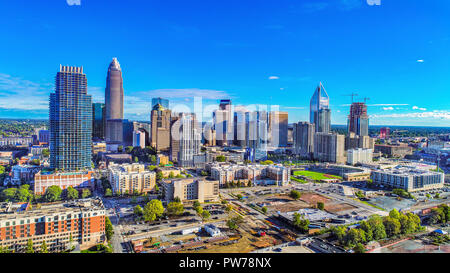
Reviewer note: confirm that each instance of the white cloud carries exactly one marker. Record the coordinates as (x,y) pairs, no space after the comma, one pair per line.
(274,78)
(415,107)
(436,114)
(419,108)
(423,109)
(420,61)
(388,108)
(17,93)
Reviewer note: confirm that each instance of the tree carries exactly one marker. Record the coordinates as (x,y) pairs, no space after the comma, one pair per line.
(377,227)
(221,158)
(9,194)
(171,175)
(205,215)
(108,192)
(301,223)
(30,248)
(234,222)
(46,152)
(196,204)
(44,247)
(153,209)
(320,205)
(109,230)
(85,193)
(138,210)
(339,232)
(367,229)
(156,188)
(392,226)
(2,169)
(23,194)
(136,159)
(71,193)
(394,214)
(53,194)
(177,199)
(264,210)
(239,196)
(295,194)
(175,208)
(228,208)
(355,236)
(159,176)
(359,248)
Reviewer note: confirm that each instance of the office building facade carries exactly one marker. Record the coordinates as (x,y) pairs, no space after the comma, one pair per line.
(98,121)
(303,135)
(358,120)
(329,147)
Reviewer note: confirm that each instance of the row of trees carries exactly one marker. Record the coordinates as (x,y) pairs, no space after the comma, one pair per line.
(377,228)
(155,209)
(52,194)
(440,215)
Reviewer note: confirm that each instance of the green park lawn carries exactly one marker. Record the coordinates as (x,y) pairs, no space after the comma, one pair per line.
(315,176)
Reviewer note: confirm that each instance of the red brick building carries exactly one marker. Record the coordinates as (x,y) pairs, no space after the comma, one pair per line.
(60,225)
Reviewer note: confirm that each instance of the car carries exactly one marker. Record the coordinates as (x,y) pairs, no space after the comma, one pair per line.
(279,249)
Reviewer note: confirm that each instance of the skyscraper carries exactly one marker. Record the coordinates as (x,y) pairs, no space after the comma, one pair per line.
(278,128)
(329,147)
(164,102)
(98,120)
(161,122)
(304,139)
(223,123)
(358,120)
(185,139)
(114,103)
(320,114)
(70,121)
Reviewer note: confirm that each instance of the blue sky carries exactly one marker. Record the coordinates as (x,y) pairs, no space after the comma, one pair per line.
(252,51)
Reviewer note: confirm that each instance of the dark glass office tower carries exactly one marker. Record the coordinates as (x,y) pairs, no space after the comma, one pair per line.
(114,103)
(70,121)
(320,114)
(164,102)
(98,120)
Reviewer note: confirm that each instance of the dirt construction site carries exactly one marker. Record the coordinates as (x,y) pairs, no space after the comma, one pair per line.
(252,234)
(284,203)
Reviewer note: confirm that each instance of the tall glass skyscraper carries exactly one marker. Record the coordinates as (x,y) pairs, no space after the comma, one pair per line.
(114,103)
(98,120)
(70,121)
(164,102)
(320,113)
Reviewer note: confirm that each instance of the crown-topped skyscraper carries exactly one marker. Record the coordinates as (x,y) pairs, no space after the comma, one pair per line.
(114,104)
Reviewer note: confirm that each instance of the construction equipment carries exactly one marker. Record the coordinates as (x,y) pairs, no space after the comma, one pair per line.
(351,95)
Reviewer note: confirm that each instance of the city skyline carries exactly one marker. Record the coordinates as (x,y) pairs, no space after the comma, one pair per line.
(182,58)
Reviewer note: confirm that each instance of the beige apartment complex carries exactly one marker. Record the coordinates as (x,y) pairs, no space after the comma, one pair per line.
(129,178)
(191,189)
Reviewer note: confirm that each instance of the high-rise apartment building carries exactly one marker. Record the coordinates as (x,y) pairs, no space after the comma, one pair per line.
(358,120)
(114,104)
(329,147)
(70,121)
(320,114)
(278,128)
(185,139)
(257,133)
(98,120)
(304,139)
(161,124)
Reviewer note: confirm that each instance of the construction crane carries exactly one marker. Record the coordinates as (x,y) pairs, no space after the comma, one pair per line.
(351,95)
(366,99)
